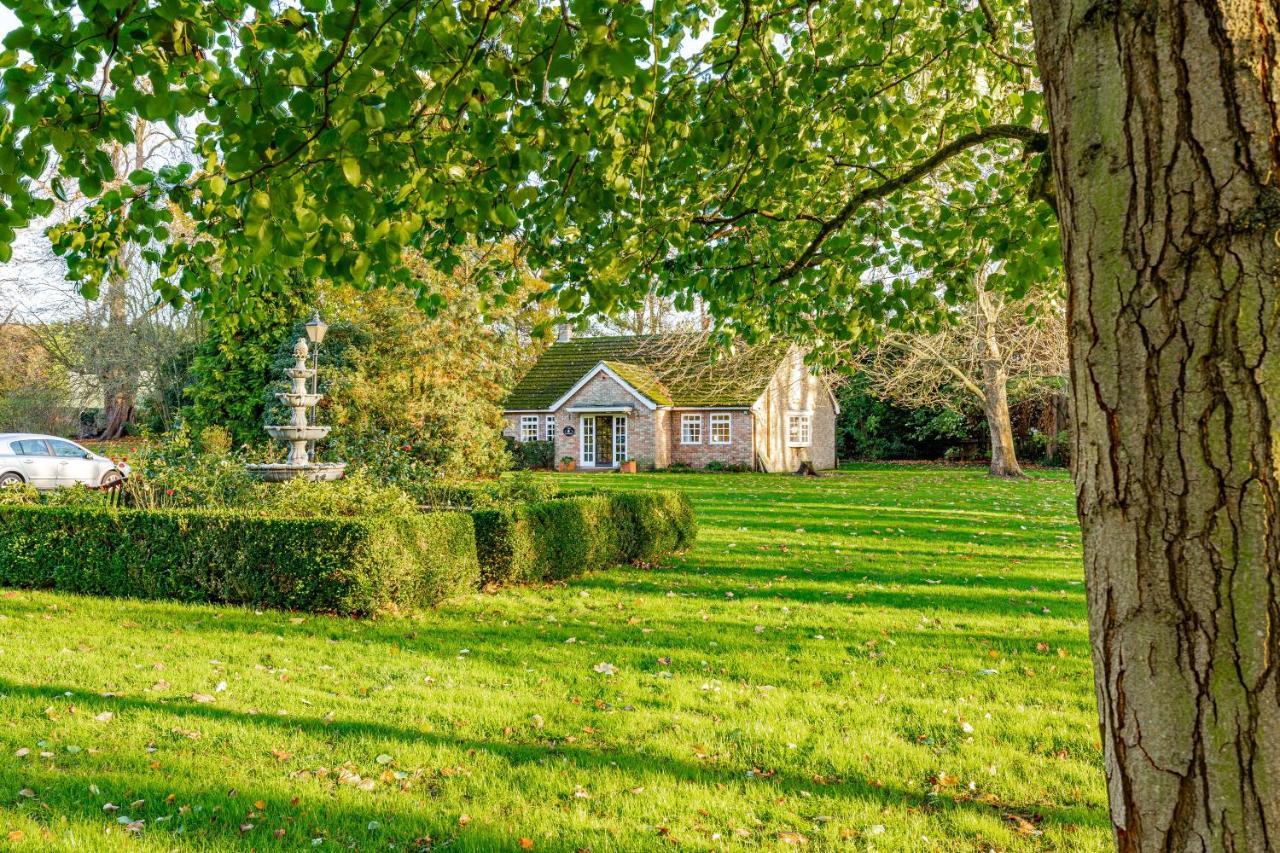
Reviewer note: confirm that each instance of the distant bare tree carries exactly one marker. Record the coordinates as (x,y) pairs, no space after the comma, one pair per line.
(116,342)
(989,345)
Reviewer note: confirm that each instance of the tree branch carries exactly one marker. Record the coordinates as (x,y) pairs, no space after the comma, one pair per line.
(942,155)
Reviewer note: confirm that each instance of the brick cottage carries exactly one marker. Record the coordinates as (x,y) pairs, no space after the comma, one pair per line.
(664,399)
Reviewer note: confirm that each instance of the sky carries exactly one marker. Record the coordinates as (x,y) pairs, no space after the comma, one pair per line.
(27,282)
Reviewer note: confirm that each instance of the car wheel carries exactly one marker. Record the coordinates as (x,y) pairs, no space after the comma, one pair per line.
(11,478)
(111,478)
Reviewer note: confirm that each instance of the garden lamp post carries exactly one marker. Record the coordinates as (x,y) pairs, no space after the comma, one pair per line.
(315,333)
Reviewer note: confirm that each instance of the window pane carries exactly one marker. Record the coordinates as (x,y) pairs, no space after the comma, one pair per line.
(67,450)
(721,429)
(619,439)
(528,427)
(31,447)
(587,440)
(551,427)
(691,429)
(799,428)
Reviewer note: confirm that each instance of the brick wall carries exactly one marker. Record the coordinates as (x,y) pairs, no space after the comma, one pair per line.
(737,452)
(603,390)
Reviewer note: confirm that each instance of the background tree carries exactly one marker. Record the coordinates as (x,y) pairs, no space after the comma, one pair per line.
(33,389)
(232,367)
(971,360)
(413,395)
(121,342)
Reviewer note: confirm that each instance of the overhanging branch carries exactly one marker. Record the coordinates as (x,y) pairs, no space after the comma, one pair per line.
(957,146)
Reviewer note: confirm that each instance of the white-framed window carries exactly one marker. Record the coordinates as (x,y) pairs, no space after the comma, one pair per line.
(721,429)
(528,427)
(587,440)
(619,440)
(551,427)
(799,429)
(691,429)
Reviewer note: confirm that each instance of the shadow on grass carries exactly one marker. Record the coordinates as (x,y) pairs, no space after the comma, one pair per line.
(64,789)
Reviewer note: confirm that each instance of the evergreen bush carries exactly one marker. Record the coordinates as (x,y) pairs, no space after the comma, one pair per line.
(354,566)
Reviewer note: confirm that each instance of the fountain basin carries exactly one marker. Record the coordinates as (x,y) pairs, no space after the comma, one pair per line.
(299,400)
(298,433)
(299,372)
(278,472)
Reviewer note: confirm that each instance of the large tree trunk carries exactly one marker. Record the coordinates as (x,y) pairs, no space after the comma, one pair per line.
(1166,156)
(995,387)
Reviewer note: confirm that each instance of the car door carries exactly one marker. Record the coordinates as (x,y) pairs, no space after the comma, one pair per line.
(39,466)
(75,464)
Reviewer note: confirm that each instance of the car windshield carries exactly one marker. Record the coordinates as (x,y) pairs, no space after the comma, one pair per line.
(30,447)
(68,450)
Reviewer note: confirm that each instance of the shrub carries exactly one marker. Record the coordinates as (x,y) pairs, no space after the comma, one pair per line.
(354,566)
(215,440)
(716,466)
(355,494)
(174,474)
(482,494)
(21,494)
(556,539)
(529,455)
(661,523)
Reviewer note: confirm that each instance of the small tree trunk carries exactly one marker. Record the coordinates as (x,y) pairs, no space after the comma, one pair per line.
(1052,428)
(1004,459)
(995,387)
(1165,143)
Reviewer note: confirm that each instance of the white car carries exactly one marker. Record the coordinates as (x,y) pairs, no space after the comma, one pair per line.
(48,462)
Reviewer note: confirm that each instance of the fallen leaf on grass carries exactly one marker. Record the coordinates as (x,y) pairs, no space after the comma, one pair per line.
(202,698)
(105,717)
(526,843)
(1022,825)
(605,668)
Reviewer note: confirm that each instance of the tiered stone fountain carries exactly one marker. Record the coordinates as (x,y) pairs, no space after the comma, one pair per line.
(298,433)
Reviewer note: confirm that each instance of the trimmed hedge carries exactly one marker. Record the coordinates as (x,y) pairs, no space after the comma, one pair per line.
(483,494)
(355,566)
(555,539)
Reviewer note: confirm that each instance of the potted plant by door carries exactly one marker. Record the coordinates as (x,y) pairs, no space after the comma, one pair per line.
(567,463)
(627,466)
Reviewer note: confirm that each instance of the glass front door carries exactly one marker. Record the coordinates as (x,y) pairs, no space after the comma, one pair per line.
(604,440)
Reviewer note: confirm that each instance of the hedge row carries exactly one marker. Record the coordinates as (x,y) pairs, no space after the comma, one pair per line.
(355,566)
(351,565)
(555,539)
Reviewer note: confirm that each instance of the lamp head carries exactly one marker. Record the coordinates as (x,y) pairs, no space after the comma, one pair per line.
(316,328)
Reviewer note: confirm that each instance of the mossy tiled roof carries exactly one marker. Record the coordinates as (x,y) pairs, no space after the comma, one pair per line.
(644,380)
(671,370)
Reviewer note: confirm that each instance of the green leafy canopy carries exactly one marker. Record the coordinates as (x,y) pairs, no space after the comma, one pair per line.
(811,168)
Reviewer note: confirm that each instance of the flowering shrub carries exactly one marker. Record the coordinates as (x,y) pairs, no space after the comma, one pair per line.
(176,474)
(355,494)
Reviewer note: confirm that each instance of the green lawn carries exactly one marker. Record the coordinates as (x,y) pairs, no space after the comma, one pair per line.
(891,658)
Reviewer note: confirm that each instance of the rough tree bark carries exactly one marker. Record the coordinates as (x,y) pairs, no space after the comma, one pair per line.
(995,390)
(1166,156)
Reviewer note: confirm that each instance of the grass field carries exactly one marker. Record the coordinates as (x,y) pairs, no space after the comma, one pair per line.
(890,658)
